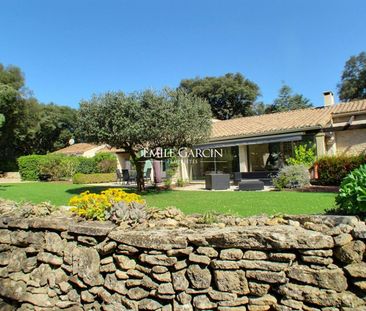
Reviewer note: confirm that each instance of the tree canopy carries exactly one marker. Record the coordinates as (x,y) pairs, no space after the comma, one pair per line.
(26,125)
(144,121)
(353,79)
(287,100)
(229,96)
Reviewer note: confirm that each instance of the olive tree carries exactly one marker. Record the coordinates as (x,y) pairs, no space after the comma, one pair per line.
(145,122)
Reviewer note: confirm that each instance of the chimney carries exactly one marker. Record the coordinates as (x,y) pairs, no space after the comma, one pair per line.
(328,99)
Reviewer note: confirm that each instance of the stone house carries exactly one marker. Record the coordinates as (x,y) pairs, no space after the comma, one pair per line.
(85,150)
(247,143)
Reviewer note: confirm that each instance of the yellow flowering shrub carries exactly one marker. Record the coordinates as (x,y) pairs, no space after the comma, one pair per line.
(93,206)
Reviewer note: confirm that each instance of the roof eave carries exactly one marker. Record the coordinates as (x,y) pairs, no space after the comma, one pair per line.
(318,127)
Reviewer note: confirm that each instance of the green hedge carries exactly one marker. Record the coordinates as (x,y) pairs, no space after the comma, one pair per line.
(59,167)
(80,178)
(29,166)
(332,170)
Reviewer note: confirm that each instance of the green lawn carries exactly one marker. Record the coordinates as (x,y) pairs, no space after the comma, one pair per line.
(241,203)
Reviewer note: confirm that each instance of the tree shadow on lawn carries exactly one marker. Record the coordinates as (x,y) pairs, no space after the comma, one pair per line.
(99,189)
(3,187)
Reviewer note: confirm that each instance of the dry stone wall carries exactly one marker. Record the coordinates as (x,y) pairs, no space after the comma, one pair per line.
(296,263)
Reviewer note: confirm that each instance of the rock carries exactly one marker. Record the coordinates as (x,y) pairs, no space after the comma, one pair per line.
(114,285)
(162,277)
(73,295)
(324,278)
(351,252)
(342,239)
(159,260)
(135,274)
(16,260)
(255,255)
(87,240)
(231,281)
(106,261)
(181,264)
(127,249)
(221,296)
(231,254)
(54,243)
(225,265)
(258,289)
(121,275)
(180,252)
(266,300)
(86,264)
(202,302)
(75,280)
(318,252)
(108,268)
(4,258)
(159,269)
(148,283)
(235,302)
(292,303)
(180,283)
(160,240)
(91,228)
(267,276)
(65,287)
(282,257)
(137,293)
(166,289)
(323,298)
(317,260)
(259,238)
(361,285)
(50,259)
(148,304)
(184,298)
(29,264)
(54,223)
(124,262)
(207,251)
(262,265)
(12,290)
(5,236)
(106,247)
(200,278)
(357,270)
(359,231)
(205,260)
(39,300)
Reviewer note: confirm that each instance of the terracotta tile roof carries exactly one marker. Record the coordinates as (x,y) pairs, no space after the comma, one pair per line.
(79,148)
(283,122)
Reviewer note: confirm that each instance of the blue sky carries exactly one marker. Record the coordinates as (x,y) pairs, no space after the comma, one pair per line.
(69,50)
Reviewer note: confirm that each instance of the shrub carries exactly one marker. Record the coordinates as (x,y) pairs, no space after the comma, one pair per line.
(332,170)
(352,193)
(304,154)
(106,205)
(80,178)
(69,166)
(106,162)
(293,176)
(29,166)
(50,167)
(87,166)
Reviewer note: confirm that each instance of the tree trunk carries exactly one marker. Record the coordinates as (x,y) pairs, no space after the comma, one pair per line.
(139,172)
(140,176)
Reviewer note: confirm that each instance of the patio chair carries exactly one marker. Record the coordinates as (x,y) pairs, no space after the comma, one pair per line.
(126,176)
(119,175)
